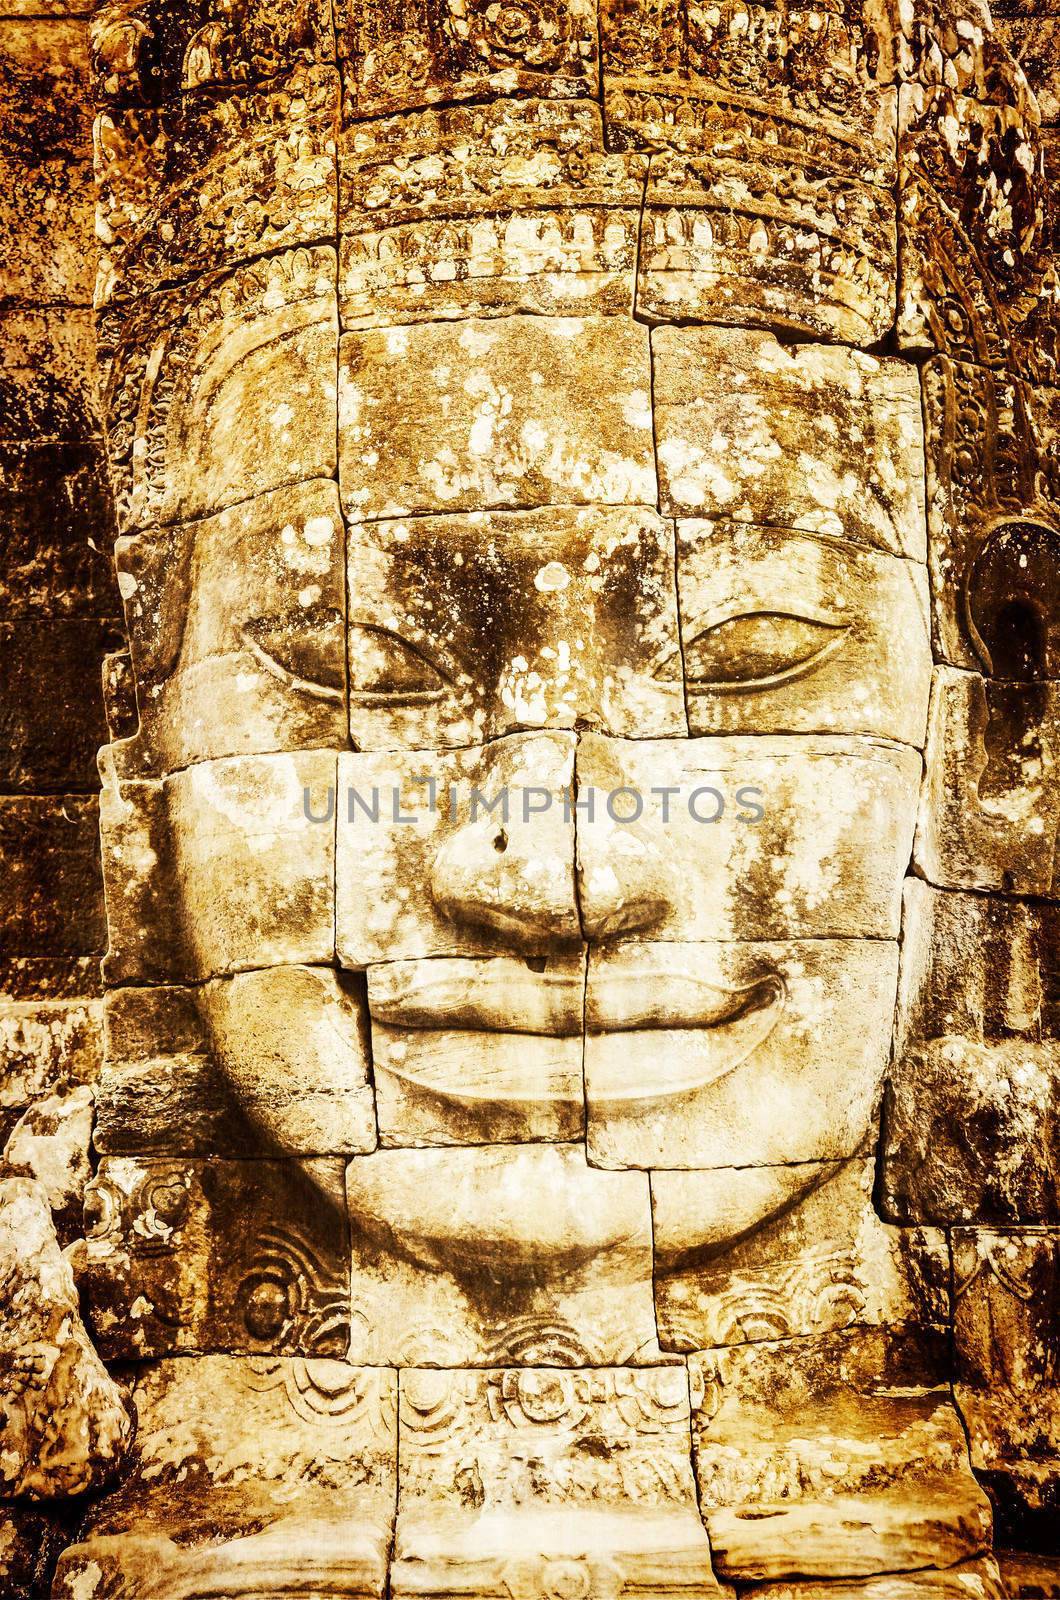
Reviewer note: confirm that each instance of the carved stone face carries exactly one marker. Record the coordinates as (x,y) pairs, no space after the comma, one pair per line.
(552,775)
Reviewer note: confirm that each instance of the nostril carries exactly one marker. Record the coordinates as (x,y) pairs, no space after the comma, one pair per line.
(536,963)
(500,843)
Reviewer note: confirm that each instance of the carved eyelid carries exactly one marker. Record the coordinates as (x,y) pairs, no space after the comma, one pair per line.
(812,616)
(311,617)
(388,697)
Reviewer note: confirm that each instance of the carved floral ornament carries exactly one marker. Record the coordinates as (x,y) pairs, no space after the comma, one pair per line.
(516,1174)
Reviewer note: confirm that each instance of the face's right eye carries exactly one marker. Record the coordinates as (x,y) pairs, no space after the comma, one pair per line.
(387,669)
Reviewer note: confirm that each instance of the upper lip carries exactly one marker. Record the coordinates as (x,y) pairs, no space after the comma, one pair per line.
(504,994)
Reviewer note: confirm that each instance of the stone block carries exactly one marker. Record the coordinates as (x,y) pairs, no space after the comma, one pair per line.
(239,1256)
(504,1487)
(991,804)
(977,1579)
(403,57)
(528,411)
(150,55)
(45,1047)
(993,546)
(269,1062)
(50,1144)
(722,242)
(179,368)
(51,703)
(735,1054)
(56,528)
(835,1484)
(972,1114)
(237,629)
(47,383)
(469,1051)
(209,181)
(765,1253)
(787,89)
(743,837)
(52,893)
(486,210)
(65,1422)
(46,160)
(255,877)
(817,438)
(491,847)
(451,1266)
(785,632)
(248,1471)
(466,628)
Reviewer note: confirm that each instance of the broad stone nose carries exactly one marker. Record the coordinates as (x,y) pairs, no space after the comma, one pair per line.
(508,863)
(627,871)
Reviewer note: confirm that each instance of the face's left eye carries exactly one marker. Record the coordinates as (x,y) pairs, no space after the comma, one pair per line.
(759,648)
(385,668)
(304,650)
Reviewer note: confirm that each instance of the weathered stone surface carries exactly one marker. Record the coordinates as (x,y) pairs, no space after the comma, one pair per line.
(780,85)
(770,203)
(972,1117)
(51,703)
(237,628)
(527,411)
(399,58)
(966,1580)
(785,632)
(739,1259)
(814,256)
(451,1266)
(196,380)
(976,282)
(1030,32)
(55,531)
(31,1537)
(242,1256)
(499,878)
(991,805)
(64,1422)
(46,160)
(148,52)
(734,410)
(256,877)
(472,1517)
(1006,1331)
(250,1471)
(47,377)
(993,493)
(462,629)
(145,941)
(51,899)
(485,210)
(50,1143)
(478,1051)
(1028,1576)
(833,1483)
(766,838)
(211,181)
(267,1062)
(45,1047)
(735,1054)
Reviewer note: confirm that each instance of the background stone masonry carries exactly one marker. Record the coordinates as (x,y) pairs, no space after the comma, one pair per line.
(245,152)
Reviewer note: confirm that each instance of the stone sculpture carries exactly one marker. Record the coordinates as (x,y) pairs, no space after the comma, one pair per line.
(578,1110)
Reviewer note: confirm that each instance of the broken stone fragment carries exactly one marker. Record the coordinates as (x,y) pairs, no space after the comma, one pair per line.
(51,1144)
(249,1476)
(64,1425)
(816,1479)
